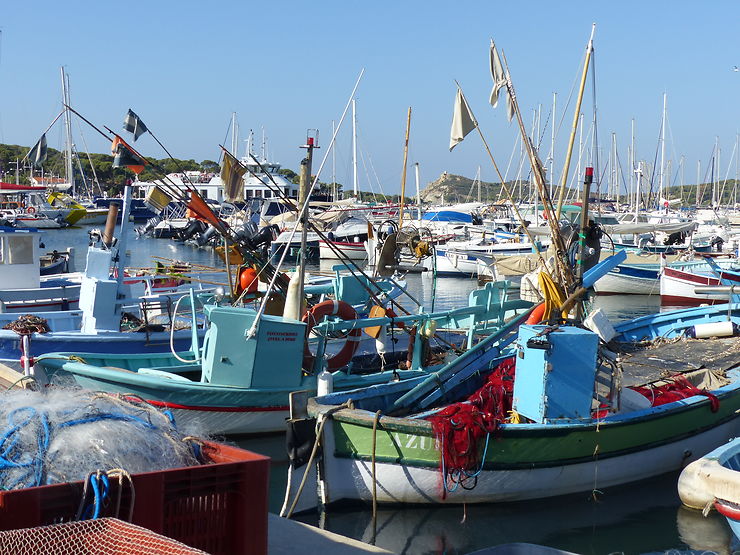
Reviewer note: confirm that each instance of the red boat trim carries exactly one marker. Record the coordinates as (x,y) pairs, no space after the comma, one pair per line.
(25,306)
(167,405)
(343,244)
(698,279)
(727,509)
(677,300)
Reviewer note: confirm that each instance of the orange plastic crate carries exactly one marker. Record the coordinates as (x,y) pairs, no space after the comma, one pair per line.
(220,508)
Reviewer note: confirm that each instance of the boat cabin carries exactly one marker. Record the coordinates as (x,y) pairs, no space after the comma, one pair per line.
(19,258)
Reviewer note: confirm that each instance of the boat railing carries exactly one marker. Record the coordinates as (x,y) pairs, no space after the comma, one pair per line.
(487,313)
(732,291)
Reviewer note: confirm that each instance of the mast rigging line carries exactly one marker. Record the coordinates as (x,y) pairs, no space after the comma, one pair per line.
(184,193)
(292,205)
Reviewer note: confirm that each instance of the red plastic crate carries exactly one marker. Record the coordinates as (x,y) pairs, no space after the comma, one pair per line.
(220,508)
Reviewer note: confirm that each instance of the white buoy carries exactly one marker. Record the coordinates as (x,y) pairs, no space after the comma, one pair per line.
(324,383)
(714,329)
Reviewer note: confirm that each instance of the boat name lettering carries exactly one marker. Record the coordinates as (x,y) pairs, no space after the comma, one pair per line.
(410,441)
(282,336)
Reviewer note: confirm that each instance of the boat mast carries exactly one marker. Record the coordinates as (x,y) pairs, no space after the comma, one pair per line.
(632,163)
(354,148)
(68,132)
(698,179)
(418,196)
(574,127)
(305,183)
(234,134)
(403,173)
(333,165)
(715,170)
(638,172)
(662,149)
(479,184)
(552,144)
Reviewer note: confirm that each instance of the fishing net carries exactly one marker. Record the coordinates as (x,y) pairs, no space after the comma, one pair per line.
(63,435)
(105,535)
(677,387)
(460,428)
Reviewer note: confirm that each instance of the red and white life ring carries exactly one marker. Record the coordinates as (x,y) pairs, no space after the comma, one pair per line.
(314,316)
(31,210)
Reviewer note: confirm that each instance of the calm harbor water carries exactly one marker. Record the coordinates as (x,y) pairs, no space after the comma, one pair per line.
(641,518)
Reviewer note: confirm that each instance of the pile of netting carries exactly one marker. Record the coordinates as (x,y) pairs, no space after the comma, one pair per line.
(461,427)
(27,324)
(105,535)
(63,435)
(676,388)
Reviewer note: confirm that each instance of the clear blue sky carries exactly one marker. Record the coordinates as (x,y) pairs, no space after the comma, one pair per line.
(286,66)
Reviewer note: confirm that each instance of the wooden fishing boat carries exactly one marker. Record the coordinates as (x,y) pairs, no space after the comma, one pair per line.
(630,279)
(678,281)
(714,480)
(576,429)
(241,382)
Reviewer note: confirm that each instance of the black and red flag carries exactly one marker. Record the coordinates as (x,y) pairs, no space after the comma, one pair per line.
(124,155)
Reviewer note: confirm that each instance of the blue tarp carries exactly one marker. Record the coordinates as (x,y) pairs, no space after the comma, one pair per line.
(448,216)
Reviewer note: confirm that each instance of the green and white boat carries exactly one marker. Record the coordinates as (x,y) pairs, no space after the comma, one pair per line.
(587,416)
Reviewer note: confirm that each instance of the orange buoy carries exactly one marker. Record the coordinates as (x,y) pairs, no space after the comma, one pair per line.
(537,314)
(248,280)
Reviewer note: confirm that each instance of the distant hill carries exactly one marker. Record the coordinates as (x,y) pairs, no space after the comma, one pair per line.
(450,189)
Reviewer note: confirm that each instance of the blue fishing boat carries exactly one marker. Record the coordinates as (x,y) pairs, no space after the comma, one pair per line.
(241,379)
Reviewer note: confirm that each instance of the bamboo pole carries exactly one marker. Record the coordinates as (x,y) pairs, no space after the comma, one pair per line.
(574,128)
(403,173)
(562,267)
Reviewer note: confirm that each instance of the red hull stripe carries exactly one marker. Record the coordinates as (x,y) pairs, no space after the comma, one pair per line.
(343,244)
(215,409)
(695,278)
(676,300)
(725,509)
(37,305)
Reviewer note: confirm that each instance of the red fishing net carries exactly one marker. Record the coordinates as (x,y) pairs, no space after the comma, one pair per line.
(461,427)
(676,389)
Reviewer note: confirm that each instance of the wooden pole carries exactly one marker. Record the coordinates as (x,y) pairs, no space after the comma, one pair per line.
(574,128)
(403,173)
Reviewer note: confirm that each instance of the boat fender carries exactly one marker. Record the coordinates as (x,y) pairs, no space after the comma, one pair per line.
(299,440)
(713,329)
(314,316)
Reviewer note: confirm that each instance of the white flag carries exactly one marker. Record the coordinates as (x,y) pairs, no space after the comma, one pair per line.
(509,106)
(463,121)
(497,74)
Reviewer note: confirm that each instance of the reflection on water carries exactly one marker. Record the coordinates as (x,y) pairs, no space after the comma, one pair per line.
(642,518)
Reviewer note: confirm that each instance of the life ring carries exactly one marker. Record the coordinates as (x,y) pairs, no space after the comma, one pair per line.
(314,316)
(31,210)
(537,314)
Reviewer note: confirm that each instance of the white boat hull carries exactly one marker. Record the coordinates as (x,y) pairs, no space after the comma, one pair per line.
(352,479)
(621,284)
(353,251)
(677,288)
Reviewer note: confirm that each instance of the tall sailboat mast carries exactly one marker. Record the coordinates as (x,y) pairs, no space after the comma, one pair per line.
(69,174)
(354,148)
(662,150)
(234,134)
